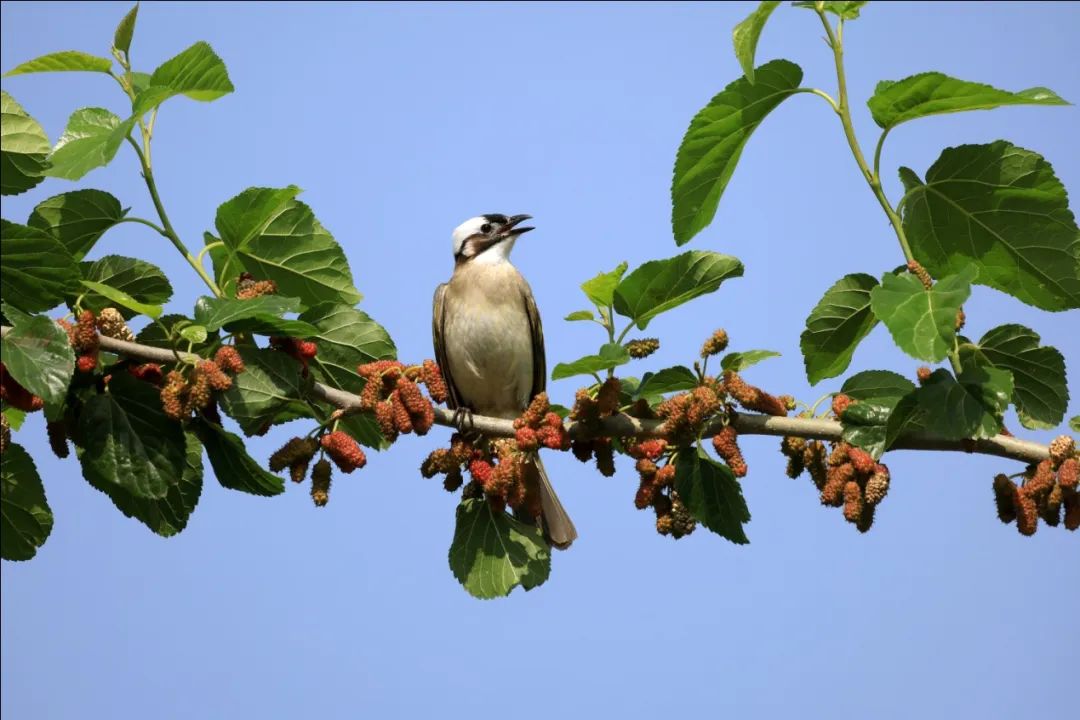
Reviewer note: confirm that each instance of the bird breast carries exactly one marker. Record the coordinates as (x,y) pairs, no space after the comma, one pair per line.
(488,339)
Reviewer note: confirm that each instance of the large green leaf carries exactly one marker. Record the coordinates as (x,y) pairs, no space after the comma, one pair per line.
(233,467)
(36,271)
(125,30)
(836,326)
(65,61)
(1000,209)
(922,322)
(259,314)
(269,386)
(90,140)
(934,93)
(122,299)
(1040,392)
(843,9)
(660,285)
(78,218)
(672,379)
(38,355)
(970,406)
(24,148)
(197,73)
(601,289)
(267,233)
(878,392)
(745,36)
(128,440)
(142,281)
(169,515)
(611,355)
(492,553)
(711,494)
(25,517)
(712,145)
(907,416)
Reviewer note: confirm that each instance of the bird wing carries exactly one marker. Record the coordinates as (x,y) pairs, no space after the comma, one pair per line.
(539,360)
(453,401)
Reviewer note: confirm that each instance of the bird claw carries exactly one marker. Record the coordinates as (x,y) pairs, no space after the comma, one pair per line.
(463,420)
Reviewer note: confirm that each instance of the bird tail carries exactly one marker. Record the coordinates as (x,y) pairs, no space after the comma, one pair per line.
(559,529)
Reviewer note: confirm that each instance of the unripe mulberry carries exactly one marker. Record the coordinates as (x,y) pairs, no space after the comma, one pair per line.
(553,437)
(433,379)
(1041,481)
(292,451)
(607,398)
(665,476)
(727,447)
(861,460)
(682,522)
(832,494)
(57,433)
(642,348)
(794,449)
(526,439)
(1050,512)
(228,358)
(853,501)
(923,374)
(216,378)
(1061,448)
(1068,473)
(1027,512)
(402,420)
(752,398)
(320,483)
(110,323)
(840,403)
(344,451)
(877,487)
(1005,498)
(651,449)
(384,417)
(916,269)
(481,471)
(645,493)
(85,333)
(147,372)
(716,344)
(664,524)
(87,363)
(814,460)
(248,287)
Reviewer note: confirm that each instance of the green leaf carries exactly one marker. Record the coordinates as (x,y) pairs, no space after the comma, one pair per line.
(611,355)
(269,386)
(878,392)
(140,280)
(36,271)
(739,361)
(128,440)
(233,467)
(123,299)
(348,337)
(999,209)
(1040,392)
(922,322)
(711,494)
(216,313)
(845,9)
(194,334)
(746,34)
(580,315)
(15,417)
(934,93)
(908,416)
(712,145)
(836,326)
(267,233)
(78,218)
(125,30)
(38,356)
(90,140)
(24,148)
(66,61)
(1074,423)
(672,379)
(197,73)
(492,553)
(26,519)
(970,406)
(601,289)
(660,285)
(154,334)
(169,515)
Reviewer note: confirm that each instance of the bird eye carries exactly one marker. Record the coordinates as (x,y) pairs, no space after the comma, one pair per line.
(485,228)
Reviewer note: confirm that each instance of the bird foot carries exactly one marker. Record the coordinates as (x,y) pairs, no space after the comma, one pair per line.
(463,421)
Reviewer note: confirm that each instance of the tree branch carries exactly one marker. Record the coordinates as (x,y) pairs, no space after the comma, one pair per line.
(625,426)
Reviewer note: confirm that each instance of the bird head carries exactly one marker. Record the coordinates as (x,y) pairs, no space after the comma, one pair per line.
(488,238)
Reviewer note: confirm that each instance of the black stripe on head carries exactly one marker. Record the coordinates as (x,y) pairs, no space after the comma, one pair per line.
(496,218)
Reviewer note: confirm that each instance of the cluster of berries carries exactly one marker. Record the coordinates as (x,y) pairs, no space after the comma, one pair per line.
(391,392)
(656,487)
(685,415)
(539,426)
(1049,487)
(847,477)
(498,469)
(248,287)
(15,395)
(297,454)
(184,393)
(449,462)
(754,398)
(588,411)
(300,350)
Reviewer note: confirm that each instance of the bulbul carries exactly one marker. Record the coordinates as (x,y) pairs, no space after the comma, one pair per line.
(490,345)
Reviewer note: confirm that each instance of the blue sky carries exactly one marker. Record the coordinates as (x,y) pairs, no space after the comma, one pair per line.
(400,121)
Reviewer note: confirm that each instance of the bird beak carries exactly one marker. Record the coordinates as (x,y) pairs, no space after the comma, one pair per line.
(511,228)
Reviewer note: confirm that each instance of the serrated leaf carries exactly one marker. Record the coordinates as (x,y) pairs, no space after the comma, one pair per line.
(601,289)
(877,392)
(90,140)
(660,285)
(922,322)
(970,406)
(233,467)
(999,209)
(197,73)
(1040,392)
(836,326)
(739,361)
(129,441)
(123,299)
(216,313)
(24,148)
(611,355)
(845,9)
(672,379)
(270,385)
(78,218)
(38,355)
(125,30)
(25,517)
(492,553)
(711,494)
(580,315)
(65,61)
(140,280)
(934,93)
(745,36)
(711,148)
(36,271)
(15,417)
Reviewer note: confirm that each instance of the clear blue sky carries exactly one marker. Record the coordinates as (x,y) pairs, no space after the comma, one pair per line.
(400,121)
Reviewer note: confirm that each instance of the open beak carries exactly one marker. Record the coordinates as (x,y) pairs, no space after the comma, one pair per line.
(511,228)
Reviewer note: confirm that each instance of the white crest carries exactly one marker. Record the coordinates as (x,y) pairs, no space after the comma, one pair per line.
(466,230)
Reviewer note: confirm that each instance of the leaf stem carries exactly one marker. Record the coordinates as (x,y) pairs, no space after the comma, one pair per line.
(142,221)
(821,94)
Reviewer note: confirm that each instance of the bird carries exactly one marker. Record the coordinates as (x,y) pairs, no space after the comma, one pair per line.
(489,343)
